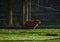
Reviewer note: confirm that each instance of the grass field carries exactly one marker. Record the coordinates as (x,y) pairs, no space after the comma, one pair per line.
(29,35)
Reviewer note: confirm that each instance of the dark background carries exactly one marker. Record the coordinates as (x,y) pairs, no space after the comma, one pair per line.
(47,11)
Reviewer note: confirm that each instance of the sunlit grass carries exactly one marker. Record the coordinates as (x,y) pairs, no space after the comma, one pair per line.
(31,34)
(25,37)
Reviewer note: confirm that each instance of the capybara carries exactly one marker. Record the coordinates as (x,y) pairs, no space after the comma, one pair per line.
(31,24)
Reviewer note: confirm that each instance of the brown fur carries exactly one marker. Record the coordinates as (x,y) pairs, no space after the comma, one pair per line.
(31,24)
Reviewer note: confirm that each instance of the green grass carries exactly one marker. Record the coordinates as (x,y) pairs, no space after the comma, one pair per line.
(30,31)
(36,34)
(25,37)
